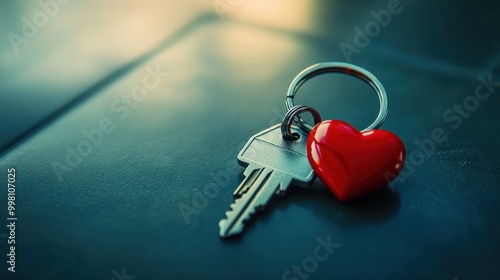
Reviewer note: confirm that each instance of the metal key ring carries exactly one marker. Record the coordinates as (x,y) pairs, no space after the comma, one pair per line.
(294,112)
(338,67)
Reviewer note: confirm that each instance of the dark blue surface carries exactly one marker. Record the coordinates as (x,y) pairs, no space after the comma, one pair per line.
(118,208)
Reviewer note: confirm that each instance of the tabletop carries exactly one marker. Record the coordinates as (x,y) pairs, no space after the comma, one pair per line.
(121,122)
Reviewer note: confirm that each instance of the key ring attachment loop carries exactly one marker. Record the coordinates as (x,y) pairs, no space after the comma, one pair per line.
(337,67)
(293,113)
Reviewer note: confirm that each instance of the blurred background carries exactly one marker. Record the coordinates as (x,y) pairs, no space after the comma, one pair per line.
(219,72)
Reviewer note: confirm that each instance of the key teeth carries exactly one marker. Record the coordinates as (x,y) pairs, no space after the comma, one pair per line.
(254,199)
(228,212)
(236,229)
(233,206)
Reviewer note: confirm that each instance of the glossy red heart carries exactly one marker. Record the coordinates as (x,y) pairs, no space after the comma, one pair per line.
(352,163)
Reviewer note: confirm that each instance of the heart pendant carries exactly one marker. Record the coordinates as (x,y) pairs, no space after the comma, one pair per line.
(352,163)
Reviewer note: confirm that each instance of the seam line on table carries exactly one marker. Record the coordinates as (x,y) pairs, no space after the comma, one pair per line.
(107,80)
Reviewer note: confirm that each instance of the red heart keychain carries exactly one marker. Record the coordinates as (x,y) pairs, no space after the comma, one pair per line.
(349,162)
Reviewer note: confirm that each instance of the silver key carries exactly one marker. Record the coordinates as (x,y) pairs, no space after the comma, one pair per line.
(273,164)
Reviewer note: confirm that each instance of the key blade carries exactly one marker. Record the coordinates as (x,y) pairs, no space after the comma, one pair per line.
(267,184)
(252,173)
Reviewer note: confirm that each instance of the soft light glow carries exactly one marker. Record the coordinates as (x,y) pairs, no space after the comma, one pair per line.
(258,53)
(294,15)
